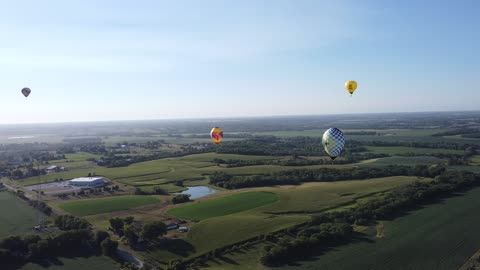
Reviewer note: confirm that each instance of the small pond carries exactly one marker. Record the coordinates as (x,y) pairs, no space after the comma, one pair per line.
(199,191)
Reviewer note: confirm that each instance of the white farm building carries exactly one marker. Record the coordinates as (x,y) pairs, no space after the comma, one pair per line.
(88,182)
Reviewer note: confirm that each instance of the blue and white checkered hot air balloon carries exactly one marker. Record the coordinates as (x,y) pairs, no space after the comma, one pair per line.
(333,142)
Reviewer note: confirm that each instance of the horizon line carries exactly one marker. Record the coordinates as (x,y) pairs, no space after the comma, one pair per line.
(231,117)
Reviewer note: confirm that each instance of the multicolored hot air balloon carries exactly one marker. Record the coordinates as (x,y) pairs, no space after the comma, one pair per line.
(333,142)
(26,91)
(216,134)
(351,86)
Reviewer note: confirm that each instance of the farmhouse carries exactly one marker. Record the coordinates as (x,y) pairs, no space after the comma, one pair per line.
(88,182)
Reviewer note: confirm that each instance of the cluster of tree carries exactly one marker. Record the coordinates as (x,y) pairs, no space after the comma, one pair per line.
(41,206)
(307,240)
(294,177)
(155,191)
(97,148)
(16,250)
(181,198)
(18,157)
(133,231)
(24,171)
(68,222)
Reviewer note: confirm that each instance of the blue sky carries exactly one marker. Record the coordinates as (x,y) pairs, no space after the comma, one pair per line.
(124,60)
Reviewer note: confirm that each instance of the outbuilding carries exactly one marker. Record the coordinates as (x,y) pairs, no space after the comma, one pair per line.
(88,182)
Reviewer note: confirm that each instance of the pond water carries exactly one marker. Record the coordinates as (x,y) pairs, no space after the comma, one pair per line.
(199,191)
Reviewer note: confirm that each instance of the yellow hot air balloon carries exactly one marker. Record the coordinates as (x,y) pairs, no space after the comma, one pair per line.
(351,86)
(216,135)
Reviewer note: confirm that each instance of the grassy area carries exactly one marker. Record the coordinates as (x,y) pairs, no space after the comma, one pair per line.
(440,236)
(80,263)
(405,161)
(223,206)
(104,205)
(16,216)
(395,150)
(221,231)
(215,232)
(164,171)
(314,197)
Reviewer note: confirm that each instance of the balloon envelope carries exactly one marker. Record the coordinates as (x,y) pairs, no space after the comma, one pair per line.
(351,86)
(333,142)
(26,91)
(216,134)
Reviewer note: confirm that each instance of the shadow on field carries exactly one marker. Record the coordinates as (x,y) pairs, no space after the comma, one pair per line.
(48,262)
(430,202)
(227,260)
(357,237)
(176,246)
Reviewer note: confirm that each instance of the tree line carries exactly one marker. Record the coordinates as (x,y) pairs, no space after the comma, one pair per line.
(294,161)
(466,132)
(295,177)
(306,241)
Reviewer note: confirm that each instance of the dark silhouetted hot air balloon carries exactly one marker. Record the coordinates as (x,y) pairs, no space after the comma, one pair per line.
(26,91)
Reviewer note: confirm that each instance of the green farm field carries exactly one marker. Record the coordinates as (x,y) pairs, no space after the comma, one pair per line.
(104,205)
(440,236)
(16,216)
(214,232)
(221,231)
(223,206)
(316,197)
(399,160)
